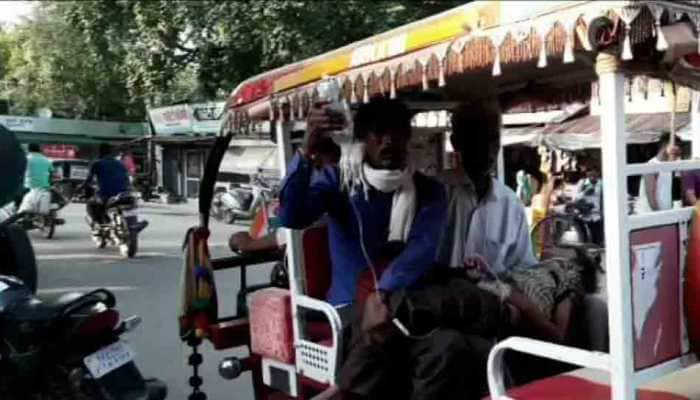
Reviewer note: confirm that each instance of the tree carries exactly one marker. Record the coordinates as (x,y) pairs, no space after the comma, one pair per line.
(51,65)
(227,42)
(113,58)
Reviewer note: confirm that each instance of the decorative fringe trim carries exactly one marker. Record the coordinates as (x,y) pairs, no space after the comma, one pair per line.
(424,77)
(441,74)
(365,96)
(657,11)
(496,71)
(661,42)
(292,111)
(569,48)
(300,112)
(627,45)
(353,94)
(542,60)
(392,85)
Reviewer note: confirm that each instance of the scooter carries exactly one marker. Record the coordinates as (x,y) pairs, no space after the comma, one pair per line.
(66,346)
(243,202)
(44,222)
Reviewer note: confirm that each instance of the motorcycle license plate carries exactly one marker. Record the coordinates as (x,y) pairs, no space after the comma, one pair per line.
(78,172)
(109,358)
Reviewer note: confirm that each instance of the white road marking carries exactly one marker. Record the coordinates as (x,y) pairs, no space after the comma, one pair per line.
(84,289)
(93,256)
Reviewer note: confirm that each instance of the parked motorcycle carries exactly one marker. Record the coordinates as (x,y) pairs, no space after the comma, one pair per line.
(62,347)
(119,226)
(244,201)
(44,222)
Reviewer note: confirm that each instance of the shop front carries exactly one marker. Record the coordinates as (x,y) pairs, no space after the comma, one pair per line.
(553,137)
(182,137)
(73,139)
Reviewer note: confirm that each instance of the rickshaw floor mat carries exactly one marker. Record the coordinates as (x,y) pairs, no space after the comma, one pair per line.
(575,388)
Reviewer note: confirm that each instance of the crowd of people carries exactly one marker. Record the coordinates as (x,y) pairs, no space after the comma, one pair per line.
(544,194)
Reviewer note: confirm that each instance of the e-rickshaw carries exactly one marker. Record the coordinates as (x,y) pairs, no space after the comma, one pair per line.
(509,48)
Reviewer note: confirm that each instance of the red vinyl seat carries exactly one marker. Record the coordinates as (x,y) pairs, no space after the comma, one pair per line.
(576,388)
(270,309)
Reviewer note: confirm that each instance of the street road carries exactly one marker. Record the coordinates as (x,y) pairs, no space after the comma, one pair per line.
(147,285)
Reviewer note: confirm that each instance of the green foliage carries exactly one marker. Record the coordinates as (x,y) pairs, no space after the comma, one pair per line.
(52,65)
(108,59)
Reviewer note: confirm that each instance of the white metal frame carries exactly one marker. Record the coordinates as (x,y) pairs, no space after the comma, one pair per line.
(318,362)
(495,367)
(624,380)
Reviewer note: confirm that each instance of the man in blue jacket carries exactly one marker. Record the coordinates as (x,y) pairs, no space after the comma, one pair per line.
(112,179)
(312,190)
(394,204)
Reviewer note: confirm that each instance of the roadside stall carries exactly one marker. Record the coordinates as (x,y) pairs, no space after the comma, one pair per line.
(460,55)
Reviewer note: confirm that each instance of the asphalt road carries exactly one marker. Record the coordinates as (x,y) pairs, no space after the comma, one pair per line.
(147,285)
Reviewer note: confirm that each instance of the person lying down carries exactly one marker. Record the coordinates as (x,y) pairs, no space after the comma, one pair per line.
(541,297)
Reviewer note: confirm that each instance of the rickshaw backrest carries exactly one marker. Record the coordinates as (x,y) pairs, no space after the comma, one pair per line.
(317,261)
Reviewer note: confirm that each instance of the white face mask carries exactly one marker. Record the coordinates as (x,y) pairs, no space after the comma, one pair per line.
(386,180)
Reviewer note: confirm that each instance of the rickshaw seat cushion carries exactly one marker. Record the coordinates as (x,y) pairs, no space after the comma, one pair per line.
(575,388)
(270,318)
(588,383)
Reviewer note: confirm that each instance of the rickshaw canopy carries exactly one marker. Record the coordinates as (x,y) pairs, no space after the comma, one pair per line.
(511,43)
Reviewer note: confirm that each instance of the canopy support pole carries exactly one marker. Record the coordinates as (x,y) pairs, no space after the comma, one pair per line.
(617,258)
(293,237)
(500,167)
(695,123)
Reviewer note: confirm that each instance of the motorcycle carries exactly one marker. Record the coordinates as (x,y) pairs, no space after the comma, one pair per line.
(119,226)
(44,222)
(62,347)
(243,202)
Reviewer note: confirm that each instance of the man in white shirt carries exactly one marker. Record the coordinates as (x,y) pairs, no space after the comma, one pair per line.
(486,220)
(655,190)
(590,191)
(486,227)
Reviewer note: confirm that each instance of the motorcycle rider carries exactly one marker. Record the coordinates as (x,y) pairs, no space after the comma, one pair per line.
(112,179)
(37,180)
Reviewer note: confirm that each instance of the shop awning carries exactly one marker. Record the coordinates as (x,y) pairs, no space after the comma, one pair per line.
(247,160)
(584,132)
(523,136)
(181,140)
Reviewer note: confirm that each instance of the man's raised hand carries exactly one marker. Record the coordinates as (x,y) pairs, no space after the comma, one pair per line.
(321,121)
